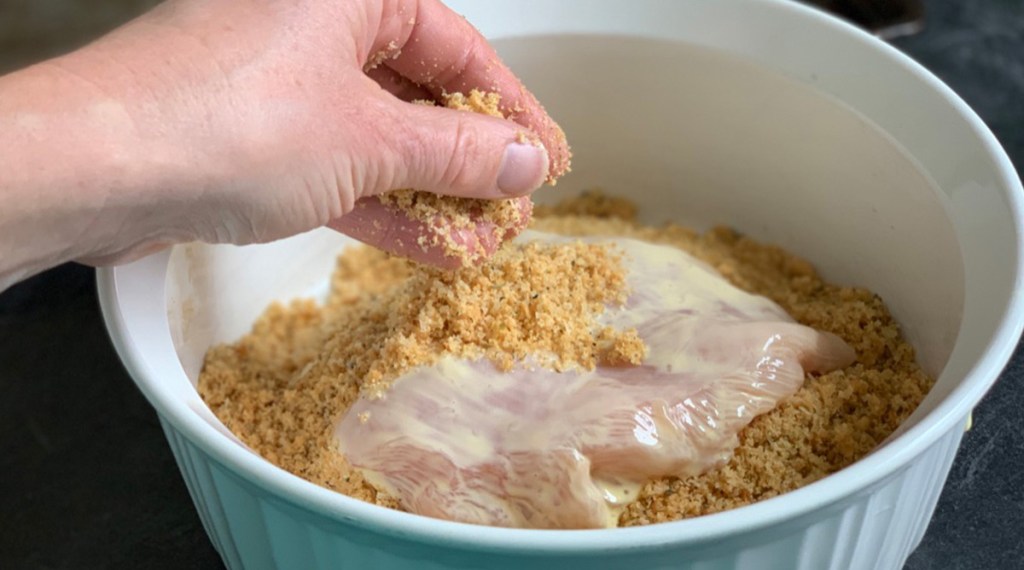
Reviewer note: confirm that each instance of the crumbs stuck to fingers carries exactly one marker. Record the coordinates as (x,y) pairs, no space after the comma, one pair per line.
(444,231)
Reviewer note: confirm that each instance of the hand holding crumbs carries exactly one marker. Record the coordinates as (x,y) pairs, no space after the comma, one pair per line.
(243,122)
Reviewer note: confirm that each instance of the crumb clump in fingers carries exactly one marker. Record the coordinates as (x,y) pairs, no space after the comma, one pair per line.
(452,225)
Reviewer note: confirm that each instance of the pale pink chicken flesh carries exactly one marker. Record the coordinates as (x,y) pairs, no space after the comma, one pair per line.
(533,448)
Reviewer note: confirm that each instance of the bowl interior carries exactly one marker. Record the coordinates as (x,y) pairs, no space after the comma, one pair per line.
(696,137)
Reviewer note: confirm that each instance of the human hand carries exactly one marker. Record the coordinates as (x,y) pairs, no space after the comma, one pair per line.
(241,122)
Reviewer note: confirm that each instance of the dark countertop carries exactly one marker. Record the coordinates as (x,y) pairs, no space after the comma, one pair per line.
(87,480)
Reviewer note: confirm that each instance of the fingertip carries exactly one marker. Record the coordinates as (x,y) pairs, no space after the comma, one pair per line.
(526,110)
(560,162)
(524,167)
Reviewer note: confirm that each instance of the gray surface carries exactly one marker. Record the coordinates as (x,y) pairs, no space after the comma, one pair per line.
(87,481)
(977,47)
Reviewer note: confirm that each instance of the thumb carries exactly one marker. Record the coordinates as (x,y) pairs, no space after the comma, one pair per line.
(459,153)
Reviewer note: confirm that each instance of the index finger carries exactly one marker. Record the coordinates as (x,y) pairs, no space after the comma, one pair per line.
(445,54)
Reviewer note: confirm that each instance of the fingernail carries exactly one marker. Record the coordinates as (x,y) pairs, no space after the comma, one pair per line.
(523,169)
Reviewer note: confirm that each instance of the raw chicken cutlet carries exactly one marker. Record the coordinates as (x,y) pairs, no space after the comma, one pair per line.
(511,395)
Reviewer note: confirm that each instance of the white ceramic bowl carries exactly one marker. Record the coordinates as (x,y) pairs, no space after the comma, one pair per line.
(785,123)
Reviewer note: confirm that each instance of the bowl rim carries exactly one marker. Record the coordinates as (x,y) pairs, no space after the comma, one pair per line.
(881,464)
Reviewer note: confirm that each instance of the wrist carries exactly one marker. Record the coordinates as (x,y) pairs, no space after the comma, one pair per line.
(77,173)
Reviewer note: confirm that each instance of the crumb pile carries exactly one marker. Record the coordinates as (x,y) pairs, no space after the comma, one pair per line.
(517,305)
(447,219)
(282,387)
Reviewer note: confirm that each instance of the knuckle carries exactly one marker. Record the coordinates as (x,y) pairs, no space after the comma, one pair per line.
(465,161)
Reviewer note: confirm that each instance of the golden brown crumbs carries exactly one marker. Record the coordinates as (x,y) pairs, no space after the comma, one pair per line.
(282,387)
(477,102)
(516,305)
(390,51)
(447,218)
(620,348)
